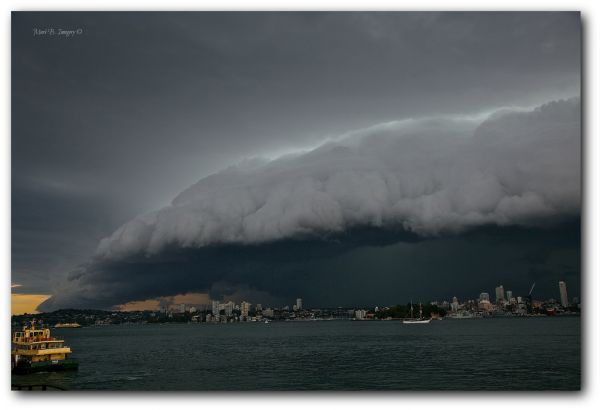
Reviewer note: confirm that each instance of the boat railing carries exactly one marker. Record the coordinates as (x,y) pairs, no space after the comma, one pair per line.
(35,339)
(35,387)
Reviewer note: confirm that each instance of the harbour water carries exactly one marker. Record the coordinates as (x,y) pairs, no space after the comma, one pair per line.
(479,354)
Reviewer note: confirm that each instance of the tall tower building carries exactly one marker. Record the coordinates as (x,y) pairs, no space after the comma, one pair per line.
(484,297)
(564,300)
(509,295)
(216,309)
(299,303)
(499,294)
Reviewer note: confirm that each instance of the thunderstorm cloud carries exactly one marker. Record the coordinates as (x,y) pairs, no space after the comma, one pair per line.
(401,185)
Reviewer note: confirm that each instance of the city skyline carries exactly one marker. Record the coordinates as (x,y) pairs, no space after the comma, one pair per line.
(562,296)
(229,305)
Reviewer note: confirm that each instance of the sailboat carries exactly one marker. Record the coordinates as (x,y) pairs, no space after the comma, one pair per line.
(413,320)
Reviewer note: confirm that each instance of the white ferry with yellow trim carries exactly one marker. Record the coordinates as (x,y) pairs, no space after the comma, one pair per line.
(34,350)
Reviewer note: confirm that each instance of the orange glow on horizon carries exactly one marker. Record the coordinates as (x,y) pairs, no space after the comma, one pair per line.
(24,303)
(154,304)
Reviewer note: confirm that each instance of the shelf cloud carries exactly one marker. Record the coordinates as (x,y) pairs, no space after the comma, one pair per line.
(409,180)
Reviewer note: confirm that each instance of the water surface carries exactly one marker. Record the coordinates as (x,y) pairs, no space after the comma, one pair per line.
(477,354)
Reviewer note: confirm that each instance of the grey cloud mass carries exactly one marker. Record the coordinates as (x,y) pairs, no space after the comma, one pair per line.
(426,178)
(146,107)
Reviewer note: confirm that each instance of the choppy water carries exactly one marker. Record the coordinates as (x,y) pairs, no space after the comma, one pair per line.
(478,354)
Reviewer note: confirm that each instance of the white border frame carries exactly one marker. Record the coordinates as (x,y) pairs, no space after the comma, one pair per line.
(290,401)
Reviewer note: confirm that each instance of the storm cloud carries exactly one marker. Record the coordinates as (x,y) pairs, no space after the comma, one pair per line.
(261,223)
(346,157)
(426,176)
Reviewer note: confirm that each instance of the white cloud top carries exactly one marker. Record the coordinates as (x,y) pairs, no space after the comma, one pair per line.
(429,176)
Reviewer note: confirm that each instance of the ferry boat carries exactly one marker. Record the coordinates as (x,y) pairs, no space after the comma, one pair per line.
(34,350)
(419,320)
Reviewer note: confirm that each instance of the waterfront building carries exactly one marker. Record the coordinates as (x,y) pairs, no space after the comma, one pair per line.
(245,309)
(564,300)
(485,305)
(182,308)
(299,303)
(484,296)
(499,294)
(509,295)
(454,304)
(360,314)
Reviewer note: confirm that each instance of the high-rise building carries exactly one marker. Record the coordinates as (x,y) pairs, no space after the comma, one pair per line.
(499,294)
(216,310)
(509,295)
(182,308)
(484,296)
(228,307)
(245,309)
(299,303)
(564,300)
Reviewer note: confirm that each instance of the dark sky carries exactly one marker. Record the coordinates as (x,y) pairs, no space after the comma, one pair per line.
(118,121)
